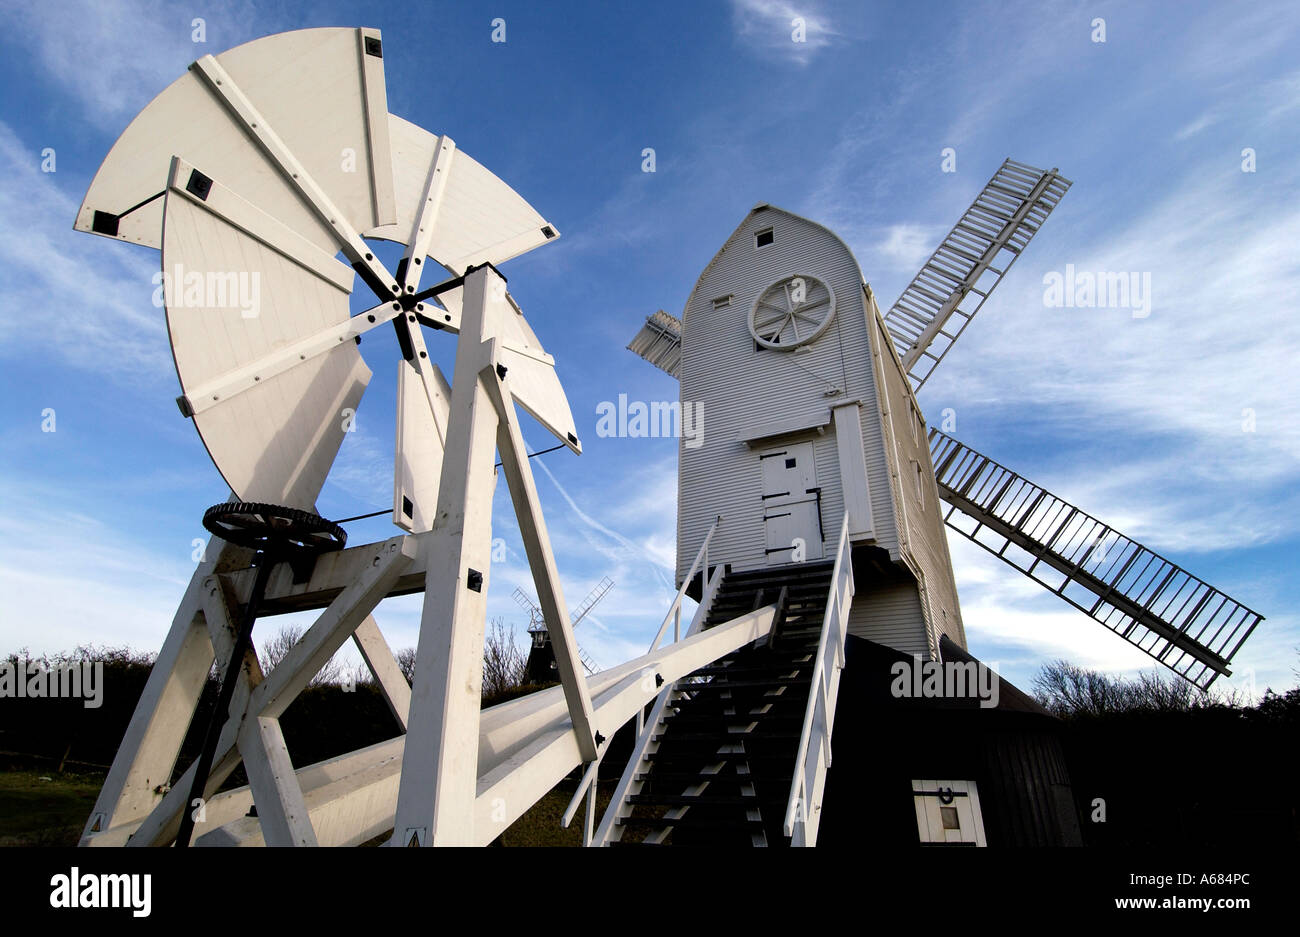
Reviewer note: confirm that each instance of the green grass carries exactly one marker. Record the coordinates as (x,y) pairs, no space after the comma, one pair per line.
(44,808)
(49,809)
(540,826)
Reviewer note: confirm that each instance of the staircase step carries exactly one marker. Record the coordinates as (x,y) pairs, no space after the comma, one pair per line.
(746,771)
(707,800)
(658,823)
(775,666)
(716,685)
(663,775)
(725,722)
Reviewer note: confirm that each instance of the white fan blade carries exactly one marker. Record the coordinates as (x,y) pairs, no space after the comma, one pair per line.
(314,87)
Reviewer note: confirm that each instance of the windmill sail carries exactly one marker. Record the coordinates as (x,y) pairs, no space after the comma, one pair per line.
(541,657)
(595,595)
(1183,622)
(954,283)
(660,342)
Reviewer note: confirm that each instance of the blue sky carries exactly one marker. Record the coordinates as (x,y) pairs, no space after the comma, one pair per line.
(1139,421)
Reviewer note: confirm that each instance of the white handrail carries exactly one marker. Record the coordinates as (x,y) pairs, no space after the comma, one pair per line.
(675,610)
(810,768)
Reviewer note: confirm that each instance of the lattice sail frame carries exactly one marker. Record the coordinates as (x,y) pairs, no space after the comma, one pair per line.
(1180,620)
(996,228)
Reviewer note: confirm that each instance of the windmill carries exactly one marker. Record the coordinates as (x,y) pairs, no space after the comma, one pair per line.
(259,166)
(541,656)
(818,479)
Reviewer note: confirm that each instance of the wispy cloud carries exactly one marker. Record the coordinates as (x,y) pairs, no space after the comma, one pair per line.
(792,31)
(93,295)
(113,56)
(906,246)
(1187,131)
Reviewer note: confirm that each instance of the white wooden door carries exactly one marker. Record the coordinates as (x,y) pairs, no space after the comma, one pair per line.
(948,813)
(791,504)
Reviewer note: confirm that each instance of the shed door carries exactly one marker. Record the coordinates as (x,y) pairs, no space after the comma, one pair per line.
(791,504)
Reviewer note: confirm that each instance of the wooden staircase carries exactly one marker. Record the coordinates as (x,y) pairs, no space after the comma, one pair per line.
(719,762)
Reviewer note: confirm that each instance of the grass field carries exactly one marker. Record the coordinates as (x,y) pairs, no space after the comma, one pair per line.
(50,809)
(45,809)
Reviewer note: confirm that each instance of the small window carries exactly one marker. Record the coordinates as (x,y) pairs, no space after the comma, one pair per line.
(949,817)
(722,302)
(920,483)
(764,238)
(790,463)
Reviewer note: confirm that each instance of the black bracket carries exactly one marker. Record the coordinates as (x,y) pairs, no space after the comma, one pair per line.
(198,185)
(945,794)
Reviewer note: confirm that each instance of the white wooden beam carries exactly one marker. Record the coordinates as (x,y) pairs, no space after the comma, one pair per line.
(200,398)
(435,803)
(541,560)
(270,697)
(144,762)
(426,216)
(853,468)
(374,90)
(334,626)
(281,811)
(383,666)
(351,797)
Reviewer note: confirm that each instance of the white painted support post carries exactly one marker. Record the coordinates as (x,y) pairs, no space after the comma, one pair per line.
(588,781)
(281,809)
(435,803)
(271,697)
(144,761)
(541,559)
(383,665)
(589,821)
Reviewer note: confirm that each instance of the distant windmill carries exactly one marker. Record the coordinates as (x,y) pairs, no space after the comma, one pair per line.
(541,658)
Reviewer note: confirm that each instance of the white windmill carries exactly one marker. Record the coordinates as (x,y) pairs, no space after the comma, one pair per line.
(268,160)
(265,162)
(817,471)
(541,665)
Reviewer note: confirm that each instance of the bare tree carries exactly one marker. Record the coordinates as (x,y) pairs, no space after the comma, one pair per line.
(1069,690)
(504,664)
(277,648)
(406,663)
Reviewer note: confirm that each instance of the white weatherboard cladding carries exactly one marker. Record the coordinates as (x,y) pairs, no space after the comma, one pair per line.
(739,387)
(925,547)
(891,615)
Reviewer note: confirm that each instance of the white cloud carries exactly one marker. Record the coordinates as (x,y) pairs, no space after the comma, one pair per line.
(771,25)
(87,299)
(1156,407)
(68,578)
(114,56)
(906,246)
(1208,119)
